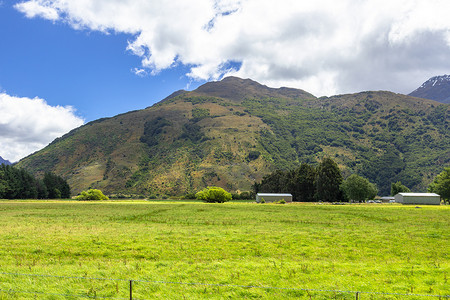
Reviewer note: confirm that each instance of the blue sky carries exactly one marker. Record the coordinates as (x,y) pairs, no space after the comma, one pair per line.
(88,70)
(64,63)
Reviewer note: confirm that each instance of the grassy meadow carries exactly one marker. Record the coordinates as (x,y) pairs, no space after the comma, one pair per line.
(222,247)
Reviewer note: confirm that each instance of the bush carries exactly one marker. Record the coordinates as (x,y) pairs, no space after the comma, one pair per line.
(189,196)
(241,196)
(252,155)
(213,195)
(92,194)
(245,196)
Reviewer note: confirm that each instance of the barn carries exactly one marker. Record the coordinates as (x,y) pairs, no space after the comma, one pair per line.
(271,197)
(418,198)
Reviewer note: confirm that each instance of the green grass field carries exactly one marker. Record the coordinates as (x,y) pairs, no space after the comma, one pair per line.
(367,248)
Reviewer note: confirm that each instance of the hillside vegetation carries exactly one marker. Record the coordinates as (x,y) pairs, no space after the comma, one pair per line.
(233,132)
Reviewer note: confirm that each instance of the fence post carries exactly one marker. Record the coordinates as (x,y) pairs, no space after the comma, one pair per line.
(131,289)
(357,295)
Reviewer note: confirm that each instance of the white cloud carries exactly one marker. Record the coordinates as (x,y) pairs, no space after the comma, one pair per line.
(322,46)
(35,9)
(27,125)
(139,72)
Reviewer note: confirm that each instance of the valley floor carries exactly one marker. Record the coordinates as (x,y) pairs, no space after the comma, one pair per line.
(223,248)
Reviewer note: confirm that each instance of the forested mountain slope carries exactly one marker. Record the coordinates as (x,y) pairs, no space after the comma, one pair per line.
(233,132)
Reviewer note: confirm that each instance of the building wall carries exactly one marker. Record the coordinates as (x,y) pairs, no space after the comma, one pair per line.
(425,200)
(273,197)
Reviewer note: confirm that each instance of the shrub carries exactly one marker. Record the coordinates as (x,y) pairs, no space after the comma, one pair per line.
(92,194)
(252,155)
(241,196)
(213,195)
(245,196)
(189,196)
(235,196)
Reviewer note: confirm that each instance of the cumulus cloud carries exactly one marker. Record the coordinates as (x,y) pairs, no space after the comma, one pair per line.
(322,46)
(27,125)
(34,9)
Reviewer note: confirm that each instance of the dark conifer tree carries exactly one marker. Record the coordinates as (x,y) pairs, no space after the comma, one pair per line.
(41,189)
(276,182)
(328,181)
(19,184)
(57,187)
(302,182)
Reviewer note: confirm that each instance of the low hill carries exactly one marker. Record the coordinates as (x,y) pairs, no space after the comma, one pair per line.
(233,132)
(436,88)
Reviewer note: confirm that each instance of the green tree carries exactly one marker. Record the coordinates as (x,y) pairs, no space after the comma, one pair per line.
(57,187)
(441,185)
(213,194)
(17,183)
(398,187)
(384,169)
(275,182)
(41,189)
(3,185)
(328,181)
(301,183)
(92,194)
(359,188)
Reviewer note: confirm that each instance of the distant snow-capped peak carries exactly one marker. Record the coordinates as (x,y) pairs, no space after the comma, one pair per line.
(436,80)
(436,88)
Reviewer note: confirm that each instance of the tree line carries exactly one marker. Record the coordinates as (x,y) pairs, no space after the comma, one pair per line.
(325,183)
(19,184)
(322,183)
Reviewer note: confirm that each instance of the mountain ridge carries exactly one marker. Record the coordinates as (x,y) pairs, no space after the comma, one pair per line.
(232,138)
(4,161)
(238,89)
(436,88)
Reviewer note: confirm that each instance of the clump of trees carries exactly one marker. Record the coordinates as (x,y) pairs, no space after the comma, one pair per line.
(441,185)
(359,188)
(19,184)
(398,187)
(91,195)
(322,183)
(213,195)
(242,196)
(57,186)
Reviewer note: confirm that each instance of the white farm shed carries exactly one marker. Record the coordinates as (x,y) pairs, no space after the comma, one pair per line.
(418,198)
(270,197)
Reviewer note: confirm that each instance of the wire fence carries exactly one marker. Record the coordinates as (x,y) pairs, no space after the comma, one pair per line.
(73,287)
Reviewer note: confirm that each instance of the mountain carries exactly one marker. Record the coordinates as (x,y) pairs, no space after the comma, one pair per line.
(4,161)
(232,132)
(436,88)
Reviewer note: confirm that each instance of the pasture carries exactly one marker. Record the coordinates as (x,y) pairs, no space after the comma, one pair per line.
(222,248)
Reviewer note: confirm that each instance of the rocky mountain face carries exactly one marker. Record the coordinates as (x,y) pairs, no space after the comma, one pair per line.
(232,132)
(436,88)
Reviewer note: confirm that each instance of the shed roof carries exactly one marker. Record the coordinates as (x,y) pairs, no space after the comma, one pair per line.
(274,194)
(420,194)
